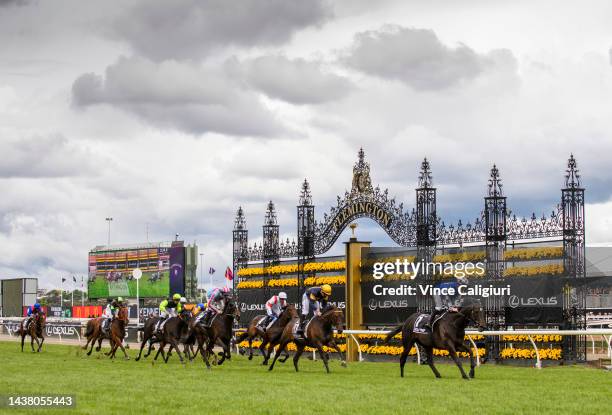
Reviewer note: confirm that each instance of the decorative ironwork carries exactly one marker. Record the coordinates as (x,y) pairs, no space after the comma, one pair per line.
(240,246)
(305,231)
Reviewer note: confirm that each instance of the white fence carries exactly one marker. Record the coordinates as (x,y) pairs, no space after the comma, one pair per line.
(606,334)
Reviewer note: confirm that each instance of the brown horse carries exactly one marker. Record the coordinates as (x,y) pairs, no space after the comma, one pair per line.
(174,331)
(116,332)
(221,332)
(318,333)
(271,336)
(448,334)
(35,330)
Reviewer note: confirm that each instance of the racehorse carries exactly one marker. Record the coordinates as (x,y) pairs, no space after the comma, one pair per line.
(35,330)
(447,334)
(116,332)
(318,333)
(220,332)
(148,335)
(174,331)
(269,337)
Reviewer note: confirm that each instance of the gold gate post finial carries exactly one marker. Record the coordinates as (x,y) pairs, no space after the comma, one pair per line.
(353,226)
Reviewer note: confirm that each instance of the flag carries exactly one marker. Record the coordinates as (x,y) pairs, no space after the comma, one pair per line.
(211,270)
(63,279)
(228,274)
(73,279)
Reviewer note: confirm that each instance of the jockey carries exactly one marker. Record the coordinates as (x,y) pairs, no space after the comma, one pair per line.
(170,307)
(446,302)
(199,308)
(110,312)
(32,310)
(181,306)
(216,303)
(313,300)
(274,307)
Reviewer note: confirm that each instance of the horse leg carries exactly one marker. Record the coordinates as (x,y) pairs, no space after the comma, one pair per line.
(323,355)
(42,340)
(23,336)
(250,348)
(162,344)
(178,351)
(93,343)
(453,353)
(100,338)
(167,355)
(333,345)
(37,343)
(280,349)
(119,344)
(150,349)
(298,353)
(408,343)
(287,356)
(32,342)
(468,350)
(430,361)
(141,347)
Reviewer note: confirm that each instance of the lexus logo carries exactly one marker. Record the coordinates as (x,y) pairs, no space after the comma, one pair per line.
(514,301)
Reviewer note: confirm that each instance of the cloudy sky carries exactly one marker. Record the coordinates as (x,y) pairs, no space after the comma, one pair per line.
(172,114)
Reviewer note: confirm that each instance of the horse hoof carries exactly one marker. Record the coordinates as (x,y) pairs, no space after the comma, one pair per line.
(250,357)
(343,363)
(126,358)
(466,378)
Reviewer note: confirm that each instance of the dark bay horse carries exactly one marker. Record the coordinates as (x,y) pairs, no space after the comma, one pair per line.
(221,332)
(148,335)
(319,333)
(36,330)
(271,336)
(448,334)
(174,331)
(117,329)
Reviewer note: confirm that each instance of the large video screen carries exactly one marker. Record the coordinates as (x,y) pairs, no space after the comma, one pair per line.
(110,273)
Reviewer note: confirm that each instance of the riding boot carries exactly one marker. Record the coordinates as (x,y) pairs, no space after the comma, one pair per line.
(432,318)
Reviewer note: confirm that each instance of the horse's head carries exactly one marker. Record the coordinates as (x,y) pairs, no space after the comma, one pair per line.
(123,314)
(334,316)
(41,318)
(231,309)
(289,313)
(474,313)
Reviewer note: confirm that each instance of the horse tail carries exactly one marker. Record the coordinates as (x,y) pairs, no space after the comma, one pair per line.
(89,329)
(242,336)
(393,333)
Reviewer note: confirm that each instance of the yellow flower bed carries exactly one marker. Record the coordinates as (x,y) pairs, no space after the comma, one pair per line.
(291,346)
(461,257)
(325,266)
(545,354)
(293,268)
(250,284)
(398,336)
(397,350)
(534,253)
(538,338)
(550,269)
(335,280)
(285,282)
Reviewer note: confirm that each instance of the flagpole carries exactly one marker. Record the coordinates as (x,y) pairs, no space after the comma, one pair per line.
(82,293)
(72,293)
(61,296)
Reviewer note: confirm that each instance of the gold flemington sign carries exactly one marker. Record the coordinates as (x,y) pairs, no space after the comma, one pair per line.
(369,209)
(359,204)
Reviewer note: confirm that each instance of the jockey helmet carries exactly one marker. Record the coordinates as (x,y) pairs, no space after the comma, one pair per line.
(201,306)
(183,300)
(225,289)
(326,288)
(37,306)
(282,295)
(176,297)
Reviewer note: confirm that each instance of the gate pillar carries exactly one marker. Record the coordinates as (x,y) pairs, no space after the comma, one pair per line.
(354,312)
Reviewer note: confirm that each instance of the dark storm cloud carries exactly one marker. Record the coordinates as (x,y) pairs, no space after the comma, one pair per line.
(297,81)
(179,96)
(418,58)
(43,156)
(188,29)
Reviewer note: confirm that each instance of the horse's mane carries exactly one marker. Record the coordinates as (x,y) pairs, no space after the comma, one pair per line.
(329,308)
